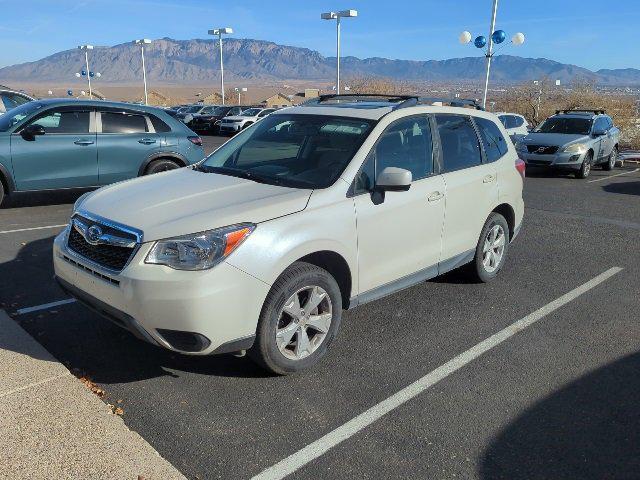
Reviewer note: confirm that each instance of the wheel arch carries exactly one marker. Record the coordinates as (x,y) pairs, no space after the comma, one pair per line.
(337,266)
(174,156)
(508,212)
(6,179)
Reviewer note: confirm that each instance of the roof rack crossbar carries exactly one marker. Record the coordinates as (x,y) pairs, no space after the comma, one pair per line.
(597,111)
(401,101)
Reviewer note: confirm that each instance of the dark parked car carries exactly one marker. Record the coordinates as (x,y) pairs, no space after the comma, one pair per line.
(59,144)
(210,122)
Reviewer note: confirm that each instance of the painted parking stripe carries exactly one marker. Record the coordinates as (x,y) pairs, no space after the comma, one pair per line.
(33,228)
(44,306)
(321,446)
(611,176)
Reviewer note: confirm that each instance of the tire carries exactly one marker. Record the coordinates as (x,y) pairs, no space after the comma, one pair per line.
(480,269)
(283,356)
(1,193)
(161,165)
(610,164)
(585,169)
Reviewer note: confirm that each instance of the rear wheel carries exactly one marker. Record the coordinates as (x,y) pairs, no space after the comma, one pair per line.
(161,165)
(585,169)
(1,193)
(611,161)
(299,320)
(491,251)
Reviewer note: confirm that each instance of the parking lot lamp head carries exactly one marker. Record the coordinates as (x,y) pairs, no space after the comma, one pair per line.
(219,32)
(337,16)
(142,42)
(86,49)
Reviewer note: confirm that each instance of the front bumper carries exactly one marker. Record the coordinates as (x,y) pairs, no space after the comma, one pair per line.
(218,308)
(230,127)
(559,160)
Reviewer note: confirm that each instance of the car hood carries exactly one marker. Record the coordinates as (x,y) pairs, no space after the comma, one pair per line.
(237,118)
(558,139)
(186,201)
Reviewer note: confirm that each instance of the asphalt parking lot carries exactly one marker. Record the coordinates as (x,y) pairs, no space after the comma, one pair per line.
(556,398)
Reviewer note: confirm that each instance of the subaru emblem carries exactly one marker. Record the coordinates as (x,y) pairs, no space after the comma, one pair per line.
(94,233)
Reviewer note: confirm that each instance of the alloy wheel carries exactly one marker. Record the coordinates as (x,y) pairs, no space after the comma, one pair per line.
(493,248)
(303,322)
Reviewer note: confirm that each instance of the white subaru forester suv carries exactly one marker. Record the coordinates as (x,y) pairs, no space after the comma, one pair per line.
(313,210)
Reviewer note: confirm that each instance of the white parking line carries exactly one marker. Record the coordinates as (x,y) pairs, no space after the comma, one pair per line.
(33,228)
(611,176)
(44,306)
(321,446)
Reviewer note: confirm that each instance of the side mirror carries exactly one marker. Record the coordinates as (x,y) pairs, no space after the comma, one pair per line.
(394,179)
(599,132)
(30,132)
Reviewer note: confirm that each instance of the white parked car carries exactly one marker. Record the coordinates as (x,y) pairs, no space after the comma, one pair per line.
(313,210)
(516,125)
(10,99)
(235,123)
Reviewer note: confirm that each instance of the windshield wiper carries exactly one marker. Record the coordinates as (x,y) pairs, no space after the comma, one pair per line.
(247,175)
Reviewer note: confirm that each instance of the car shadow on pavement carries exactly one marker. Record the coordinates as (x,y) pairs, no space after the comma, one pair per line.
(38,199)
(589,429)
(625,188)
(86,343)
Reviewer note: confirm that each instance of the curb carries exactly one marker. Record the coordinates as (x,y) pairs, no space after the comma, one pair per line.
(52,426)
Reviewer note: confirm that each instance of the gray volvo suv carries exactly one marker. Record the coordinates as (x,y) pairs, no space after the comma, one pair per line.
(572,140)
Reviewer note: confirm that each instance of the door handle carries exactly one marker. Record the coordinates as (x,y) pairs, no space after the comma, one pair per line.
(146,141)
(83,142)
(435,196)
(488,179)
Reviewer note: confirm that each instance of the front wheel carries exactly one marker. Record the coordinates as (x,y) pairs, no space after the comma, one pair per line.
(162,165)
(611,161)
(299,320)
(491,250)
(585,168)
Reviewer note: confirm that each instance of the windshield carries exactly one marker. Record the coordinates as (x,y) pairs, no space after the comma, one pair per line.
(195,109)
(300,151)
(568,125)
(220,111)
(208,110)
(251,112)
(17,114)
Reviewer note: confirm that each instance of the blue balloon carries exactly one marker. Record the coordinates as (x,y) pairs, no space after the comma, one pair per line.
(69,92)
(480,41)
(499,36)
(83,73)
(91,74)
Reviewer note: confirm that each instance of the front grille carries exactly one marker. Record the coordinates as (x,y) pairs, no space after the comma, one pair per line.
(113,257)
(542,149)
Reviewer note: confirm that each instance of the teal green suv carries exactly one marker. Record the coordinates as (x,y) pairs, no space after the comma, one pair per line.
(59,144)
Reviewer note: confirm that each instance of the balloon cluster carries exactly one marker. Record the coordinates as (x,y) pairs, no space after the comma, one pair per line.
(497,37)
(83,73)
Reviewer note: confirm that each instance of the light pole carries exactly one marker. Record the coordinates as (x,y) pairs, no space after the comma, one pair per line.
(86,49)
(219,32)
(239,91)
(495,37)
(142,42)
(337,16)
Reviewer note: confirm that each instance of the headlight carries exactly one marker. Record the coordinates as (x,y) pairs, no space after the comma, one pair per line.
(575,148)
(199,251)
(79,201)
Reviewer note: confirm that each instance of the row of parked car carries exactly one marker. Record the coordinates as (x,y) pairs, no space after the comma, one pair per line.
(219,119)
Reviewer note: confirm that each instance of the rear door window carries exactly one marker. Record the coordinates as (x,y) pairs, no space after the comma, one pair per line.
(458,142)
(494,143)
(119,122)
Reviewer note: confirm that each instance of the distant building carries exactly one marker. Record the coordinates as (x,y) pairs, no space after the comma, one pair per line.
(212,99)
(278,100)
(311,92)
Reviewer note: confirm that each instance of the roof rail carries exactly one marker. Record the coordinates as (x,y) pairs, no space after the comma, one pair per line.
(401,101)
(597,111)
(452,102)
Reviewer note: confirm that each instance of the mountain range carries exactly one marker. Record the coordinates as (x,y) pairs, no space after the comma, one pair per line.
(196,61)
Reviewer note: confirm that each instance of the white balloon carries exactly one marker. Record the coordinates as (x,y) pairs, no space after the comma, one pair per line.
(518,39)
(83,93)
(77,74)
(98,74)
(50,92)
(465,37)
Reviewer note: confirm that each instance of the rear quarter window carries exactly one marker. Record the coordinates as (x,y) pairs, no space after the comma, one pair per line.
(158,125)
(493,141)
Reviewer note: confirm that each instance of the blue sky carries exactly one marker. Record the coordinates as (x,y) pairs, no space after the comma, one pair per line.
(589,33)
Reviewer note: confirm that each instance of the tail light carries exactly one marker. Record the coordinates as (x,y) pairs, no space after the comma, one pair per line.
(521,167)
(195,140)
